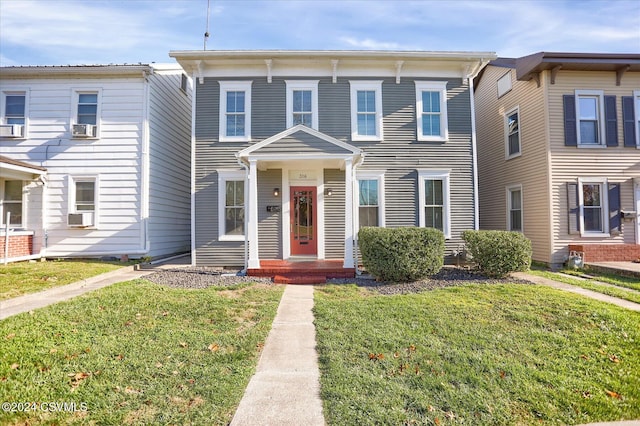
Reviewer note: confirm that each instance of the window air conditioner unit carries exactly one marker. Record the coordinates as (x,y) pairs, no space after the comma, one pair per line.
(80,220)
(84,131)
(11,130)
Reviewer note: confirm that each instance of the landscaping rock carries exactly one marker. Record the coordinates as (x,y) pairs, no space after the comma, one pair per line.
(201,277)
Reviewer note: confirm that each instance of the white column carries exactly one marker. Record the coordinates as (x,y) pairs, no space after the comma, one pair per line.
(254,258)
(348,214)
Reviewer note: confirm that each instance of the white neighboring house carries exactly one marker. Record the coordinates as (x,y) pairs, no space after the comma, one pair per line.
(95,161)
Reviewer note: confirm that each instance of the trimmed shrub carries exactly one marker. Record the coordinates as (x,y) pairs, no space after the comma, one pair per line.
(401,254)
(498,253)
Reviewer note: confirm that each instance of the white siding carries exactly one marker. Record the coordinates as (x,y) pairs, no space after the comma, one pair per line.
(170,164)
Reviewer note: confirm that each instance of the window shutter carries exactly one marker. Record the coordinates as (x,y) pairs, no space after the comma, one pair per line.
(573,208)
(570,135)
(611,120)
(628,121)
(614,209)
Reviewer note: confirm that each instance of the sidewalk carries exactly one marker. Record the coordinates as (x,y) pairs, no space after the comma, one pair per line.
(285,390)
(578,290)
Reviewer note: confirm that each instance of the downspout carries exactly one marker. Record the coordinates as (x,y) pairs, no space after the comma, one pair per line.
(246,221)
(145,175)
(474,148)
(43,212)
(193,169)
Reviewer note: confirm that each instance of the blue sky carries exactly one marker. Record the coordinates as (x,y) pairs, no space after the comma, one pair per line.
(60,32)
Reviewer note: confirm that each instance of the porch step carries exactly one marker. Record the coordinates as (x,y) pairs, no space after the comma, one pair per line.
(299,279)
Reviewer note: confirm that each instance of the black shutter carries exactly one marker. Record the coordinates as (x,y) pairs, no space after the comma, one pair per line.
(614,209)
(628,121)
(611,120)
(570,135)
(573,208)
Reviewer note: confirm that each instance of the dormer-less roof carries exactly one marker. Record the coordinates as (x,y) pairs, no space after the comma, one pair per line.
(14,169)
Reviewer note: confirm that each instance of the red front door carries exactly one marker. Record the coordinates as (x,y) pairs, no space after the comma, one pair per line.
(304,229)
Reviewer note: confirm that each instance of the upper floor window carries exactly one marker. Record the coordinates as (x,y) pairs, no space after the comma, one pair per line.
(514,208)
(14,114)
(590,118)
(235,110)
(504,84)
(85,122)
(433,192)
(512,133)
(231,205)
(371,198)
(366,110)
(11,200)
(302,103)
(431,110)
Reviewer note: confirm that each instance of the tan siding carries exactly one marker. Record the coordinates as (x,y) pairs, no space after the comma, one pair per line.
(530,169)
(618,164)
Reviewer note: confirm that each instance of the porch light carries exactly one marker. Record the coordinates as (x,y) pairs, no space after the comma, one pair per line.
(328,192)
(276,192)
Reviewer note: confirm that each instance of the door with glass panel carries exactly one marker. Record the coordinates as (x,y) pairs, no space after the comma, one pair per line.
(304,230)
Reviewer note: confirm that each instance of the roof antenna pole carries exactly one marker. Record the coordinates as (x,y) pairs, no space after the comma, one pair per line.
(206,34)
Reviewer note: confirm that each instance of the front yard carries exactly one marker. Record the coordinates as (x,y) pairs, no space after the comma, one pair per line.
(136,353)
(478,354)
(21,278)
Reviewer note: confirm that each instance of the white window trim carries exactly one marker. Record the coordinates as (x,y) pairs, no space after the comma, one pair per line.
(601,123)
(506,134)
(71,207)
(235,86)
(432,86)
(443,175)
(371,175)
(636,110)
(24,91)
(223,177)
(605,207)
(75,100)
(509,189)
(366,85)
(311,85)
(22,201)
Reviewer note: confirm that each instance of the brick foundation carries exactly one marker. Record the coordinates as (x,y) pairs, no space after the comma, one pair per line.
(19,245)
(607,252)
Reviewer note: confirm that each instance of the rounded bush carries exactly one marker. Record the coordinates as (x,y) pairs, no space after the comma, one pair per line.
(401,254)
(498,253)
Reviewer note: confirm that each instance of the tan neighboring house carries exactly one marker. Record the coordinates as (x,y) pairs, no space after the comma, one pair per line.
(558,139)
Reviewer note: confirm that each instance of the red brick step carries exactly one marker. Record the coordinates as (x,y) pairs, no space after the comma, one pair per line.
(299,279)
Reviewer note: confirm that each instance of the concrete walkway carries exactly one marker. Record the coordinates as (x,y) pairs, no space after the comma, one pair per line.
(286,387)
(578,290)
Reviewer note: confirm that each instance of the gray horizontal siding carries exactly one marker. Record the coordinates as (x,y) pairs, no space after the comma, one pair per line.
(269,223)
(399,154)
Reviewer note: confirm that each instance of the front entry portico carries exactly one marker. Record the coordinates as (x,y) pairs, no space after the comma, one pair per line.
(302,155)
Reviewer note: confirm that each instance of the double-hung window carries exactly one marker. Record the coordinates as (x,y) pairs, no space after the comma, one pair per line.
(84,199)
(14,113)
(514,208)
(512,133)
(235,111)
(594,206)
(11,201)
(370,198)
(366,110)
(231,205)
(302,103)
(636,101)
(85,122)
(431,110)
(433,192)
(590,118)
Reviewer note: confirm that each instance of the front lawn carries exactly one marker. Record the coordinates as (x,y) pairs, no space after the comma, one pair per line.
(21,278)
(615,289)
(136,353)
(475,354)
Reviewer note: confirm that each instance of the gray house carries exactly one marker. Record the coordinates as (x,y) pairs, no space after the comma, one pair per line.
(294,151)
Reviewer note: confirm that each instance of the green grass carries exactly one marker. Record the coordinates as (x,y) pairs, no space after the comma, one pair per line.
(630,295)
(477,354)
(137,353)
(21,278)
(621,281)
